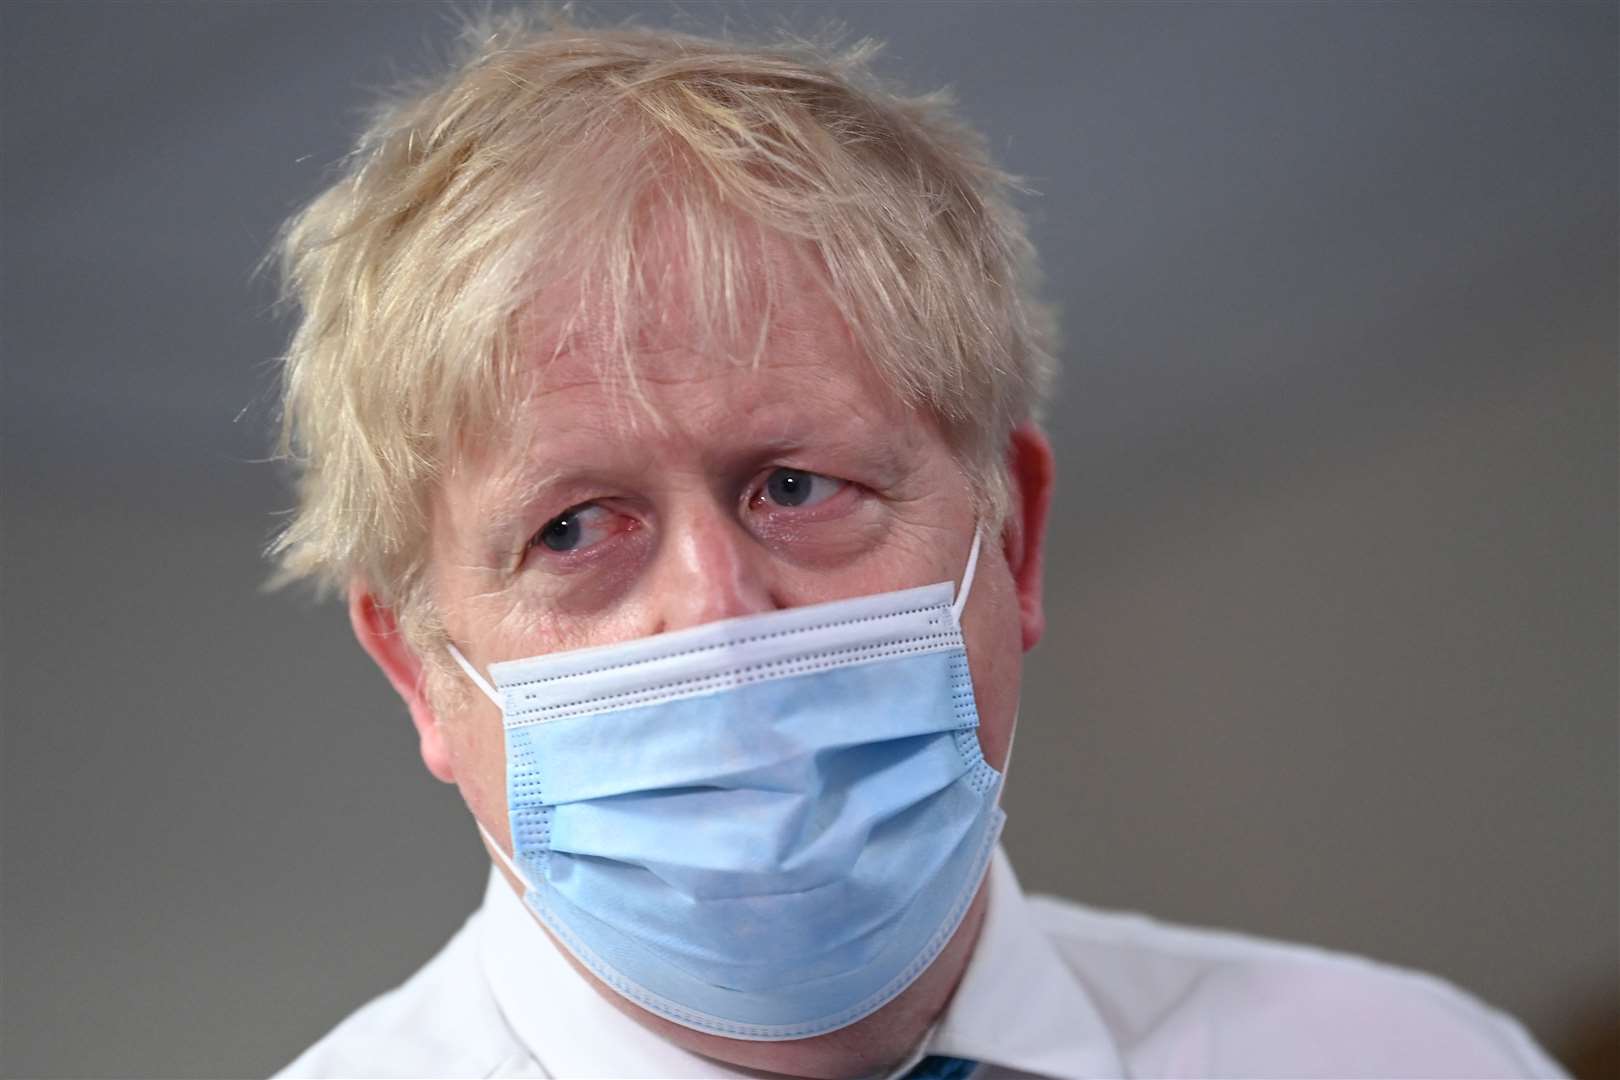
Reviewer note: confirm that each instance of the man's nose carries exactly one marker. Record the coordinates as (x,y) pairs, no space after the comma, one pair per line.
(713,569)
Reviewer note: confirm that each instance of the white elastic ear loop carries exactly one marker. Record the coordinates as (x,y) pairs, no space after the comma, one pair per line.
(472,673)
(506,860)
(1006,762)
(489,692)
(967,576)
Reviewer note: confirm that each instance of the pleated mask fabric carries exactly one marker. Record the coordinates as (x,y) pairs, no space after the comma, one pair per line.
(764,827)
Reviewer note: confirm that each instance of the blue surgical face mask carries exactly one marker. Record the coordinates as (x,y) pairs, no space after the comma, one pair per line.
(764,827)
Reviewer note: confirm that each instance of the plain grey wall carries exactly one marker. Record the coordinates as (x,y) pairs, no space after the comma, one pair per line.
(1332,652)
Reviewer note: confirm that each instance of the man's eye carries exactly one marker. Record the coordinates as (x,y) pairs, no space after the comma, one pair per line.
(797,488)
(579,528)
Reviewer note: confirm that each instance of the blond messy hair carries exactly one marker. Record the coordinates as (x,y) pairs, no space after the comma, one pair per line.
(545,159)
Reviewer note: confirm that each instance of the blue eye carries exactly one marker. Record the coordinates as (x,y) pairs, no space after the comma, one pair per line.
(580,527)
(561,534)
(797,488)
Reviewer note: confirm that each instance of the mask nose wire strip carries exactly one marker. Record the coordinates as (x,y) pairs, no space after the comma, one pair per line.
(472,673)
(967,576)
(956,609)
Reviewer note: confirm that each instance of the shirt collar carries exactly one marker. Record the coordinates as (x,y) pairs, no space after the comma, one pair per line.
(1018,1006)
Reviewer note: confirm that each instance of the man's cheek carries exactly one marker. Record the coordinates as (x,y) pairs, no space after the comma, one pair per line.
(478,748)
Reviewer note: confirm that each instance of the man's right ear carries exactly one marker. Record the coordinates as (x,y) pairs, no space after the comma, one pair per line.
(377,630)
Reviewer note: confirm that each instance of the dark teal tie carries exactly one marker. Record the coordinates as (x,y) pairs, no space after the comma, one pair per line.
(942,1068)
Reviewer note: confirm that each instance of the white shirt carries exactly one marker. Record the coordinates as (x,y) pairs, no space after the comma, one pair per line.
(1053,990)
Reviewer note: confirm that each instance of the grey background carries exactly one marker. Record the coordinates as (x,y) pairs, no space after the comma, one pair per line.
(1332,653)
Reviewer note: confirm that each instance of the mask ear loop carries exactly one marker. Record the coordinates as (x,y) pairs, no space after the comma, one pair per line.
(1006,762)
(956,610)
(489,692)
(472,673)
(506,860)
(967,576)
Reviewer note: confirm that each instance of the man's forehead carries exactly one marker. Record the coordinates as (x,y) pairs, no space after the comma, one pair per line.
(803,382)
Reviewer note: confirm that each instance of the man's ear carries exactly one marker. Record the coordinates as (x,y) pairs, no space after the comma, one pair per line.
(1030,470)
(377,630)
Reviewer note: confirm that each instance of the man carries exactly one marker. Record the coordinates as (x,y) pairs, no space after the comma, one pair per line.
(668,412)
